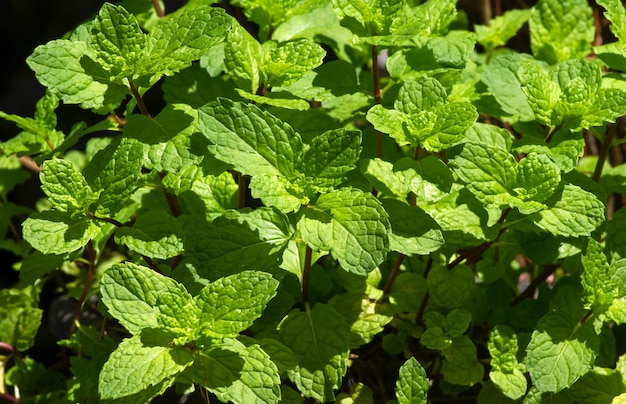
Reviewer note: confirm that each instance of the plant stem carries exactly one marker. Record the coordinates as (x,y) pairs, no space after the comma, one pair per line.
(486,11)
(306,274)
(135,91)
(91,269)
(106,219)
(377,99)
(530,290)
(6,347)
(158,8)
(241,195)
(586,317)
(172,201)
(604,151)
(393,274)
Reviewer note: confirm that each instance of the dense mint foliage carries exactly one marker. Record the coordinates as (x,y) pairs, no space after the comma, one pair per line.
(349,201)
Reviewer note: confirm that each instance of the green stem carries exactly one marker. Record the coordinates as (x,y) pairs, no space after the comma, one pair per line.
(604,151)
(306,274)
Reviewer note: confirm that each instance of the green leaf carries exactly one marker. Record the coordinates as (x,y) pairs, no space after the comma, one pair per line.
(366,318)
(243,58)
(330,156)
(460,365)
(414,232)
(65,187)
(176,312)
(505,371)
(285,63)
(366,17)
(253,141)
(351,224)
(277,191)
(412,384)
(19,318)
(488,172)
(616,14)
(182,37)
(229,305)
(601,385)
(560,351)
(118,41)
(596,278)
(134,367)
(68,69)
(154,234)
(236,241)
(572,212)
(237,373)
(387,181)
(131,293)
(542,93)
(320,340)
(450,288)
(501,28)
(115,172)
(504,85)
(54,232)
(561,31)
(537,177)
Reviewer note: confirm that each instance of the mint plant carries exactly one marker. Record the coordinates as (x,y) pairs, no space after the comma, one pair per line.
(299,223)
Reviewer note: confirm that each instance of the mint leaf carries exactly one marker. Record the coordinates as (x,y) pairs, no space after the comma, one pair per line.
(616,14)
(537,177)
(154,234)
(388,181)
(365,17)
(412,384)
(176,312)
(505,371)
(68,69)
(118,41)
(599,385)
(560,351)
(366,318)
(542,93)
(253,141)
(285,63)
(460,365)
(20,318)
(596,278)
(229,305)
(115,173)
(277,191)
(414,232)
(561,31)
(572,212)
(330,156)
(319,338)
(237,373)
(183,37)
(64,186)
(488,172)
(54,232)
(243,58)
(351,224)
(423,115)
(501,28)
(236,241)
(450,288)
(133,367)
(131,293)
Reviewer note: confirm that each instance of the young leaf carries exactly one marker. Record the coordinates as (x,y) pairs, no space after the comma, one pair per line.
(596,278)
(560,351)
(180,38)
(505,371)
(134,367)
(118,41)
(460,365)
(229,305)
(243,57)
(65,187)
(237,373)
(58,232)
(542,93)
(115,172)
(320,339)
(286,63)
(501,28)
(561,31)
(450,287)
(412,384)
(351,224)
(20,318)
